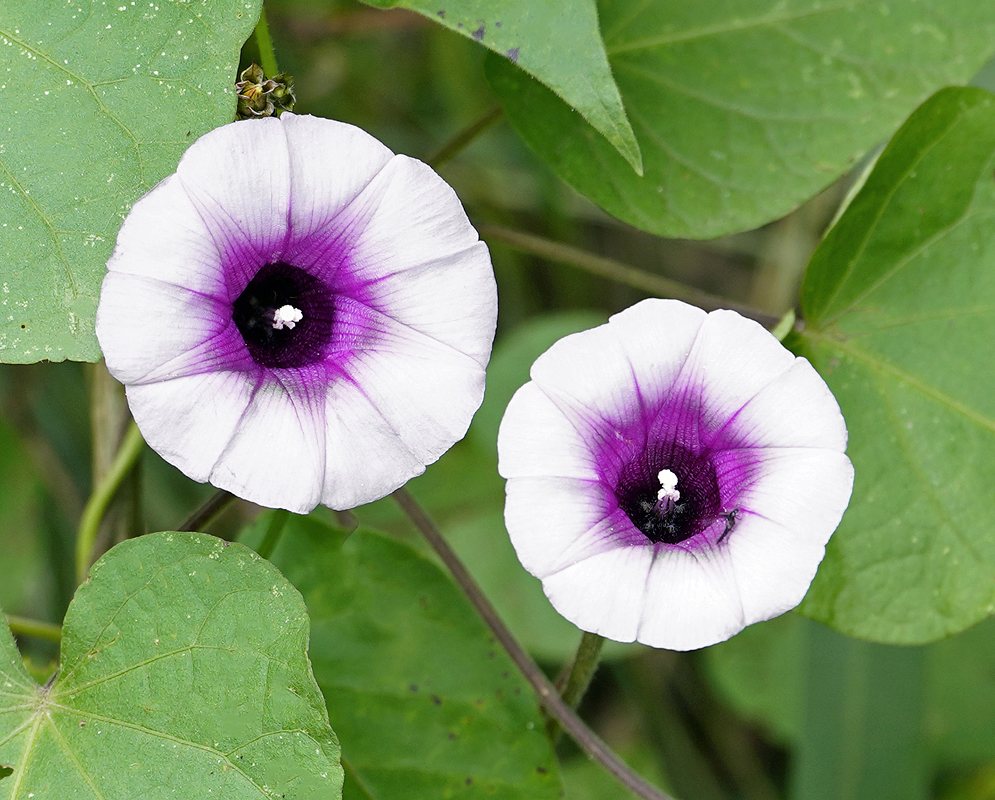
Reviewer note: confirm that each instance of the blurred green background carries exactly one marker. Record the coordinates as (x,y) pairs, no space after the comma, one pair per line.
(785,709)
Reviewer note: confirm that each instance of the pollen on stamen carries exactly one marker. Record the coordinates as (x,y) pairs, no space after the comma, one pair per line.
(286,317)
(668,486)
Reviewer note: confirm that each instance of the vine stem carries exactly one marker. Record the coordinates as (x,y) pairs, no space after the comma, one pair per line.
(617,271)
(204,515)
(461,139)
(265,43)
(544,689)
(273,533)
(22,626)
(103,493)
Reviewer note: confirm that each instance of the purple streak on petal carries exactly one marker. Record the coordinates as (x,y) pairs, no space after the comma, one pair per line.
(736,471)
(612,531)
(327,251)
(308,388)
(240,259)
(614,443)
(224,351)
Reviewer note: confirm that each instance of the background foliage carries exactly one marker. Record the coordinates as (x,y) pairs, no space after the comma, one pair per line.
(623,126)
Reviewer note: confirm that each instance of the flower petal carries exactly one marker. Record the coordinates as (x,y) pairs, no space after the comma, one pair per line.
(189,421)
(417,259)
(164,237)
(588,373)
(796,409)
(238,178)
(802,489)
(604,593)
(774,566)
(143,323)
(732,360)
(365,458)
(657,337)
(434,395)
(556,522)
(276,455)
(692,600)
(330,164)
(536,439)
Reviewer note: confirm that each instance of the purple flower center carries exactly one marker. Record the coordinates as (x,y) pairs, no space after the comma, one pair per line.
(285,316)
(670,522)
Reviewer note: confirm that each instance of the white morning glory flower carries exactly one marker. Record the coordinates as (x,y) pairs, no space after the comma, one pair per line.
(673,476)
(299,315)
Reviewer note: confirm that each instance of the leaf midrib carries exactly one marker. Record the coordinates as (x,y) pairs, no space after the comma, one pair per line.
(717,29)
(848,347)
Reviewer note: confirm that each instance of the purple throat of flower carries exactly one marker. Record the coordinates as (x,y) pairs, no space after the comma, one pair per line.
(671,494)
(285,316)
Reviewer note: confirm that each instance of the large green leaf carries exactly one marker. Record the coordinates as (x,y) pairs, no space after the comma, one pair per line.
(184,672)
(745,108)
(101,99)
(425,702)
(899,308)
(555,41)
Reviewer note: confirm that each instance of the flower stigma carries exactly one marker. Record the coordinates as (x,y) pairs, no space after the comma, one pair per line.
(647,492)
(286,317)
(668,488)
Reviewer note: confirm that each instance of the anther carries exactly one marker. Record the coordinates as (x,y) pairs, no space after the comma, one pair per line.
(286,317)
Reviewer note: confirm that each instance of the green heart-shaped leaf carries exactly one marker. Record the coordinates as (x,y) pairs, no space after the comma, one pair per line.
(424,700)
(899,308)
(557,42)
(101,99)
(745,109)
(184,672)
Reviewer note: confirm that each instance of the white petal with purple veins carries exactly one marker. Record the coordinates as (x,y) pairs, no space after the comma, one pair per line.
(299,315)
(152,323)
(189,421)
(165,238)
(276,453)
(549,445)
(673,476)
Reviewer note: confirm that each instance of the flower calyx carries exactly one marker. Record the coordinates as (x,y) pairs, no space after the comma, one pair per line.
(259,96)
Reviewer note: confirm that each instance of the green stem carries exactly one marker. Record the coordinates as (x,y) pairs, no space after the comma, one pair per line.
(22,626)
(784,326)
(584,665)
(617,271)
(267,56)
(206,514)
(273,533)
(544,689)
(463,138)
(583,669)
(96,506)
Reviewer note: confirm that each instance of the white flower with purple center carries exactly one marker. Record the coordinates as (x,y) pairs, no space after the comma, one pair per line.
(673,476)
(299,315)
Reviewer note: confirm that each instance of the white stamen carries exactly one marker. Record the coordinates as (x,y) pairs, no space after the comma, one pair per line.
(286,317)
(668,484)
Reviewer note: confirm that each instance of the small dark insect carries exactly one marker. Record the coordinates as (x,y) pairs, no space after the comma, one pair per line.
(730,517)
